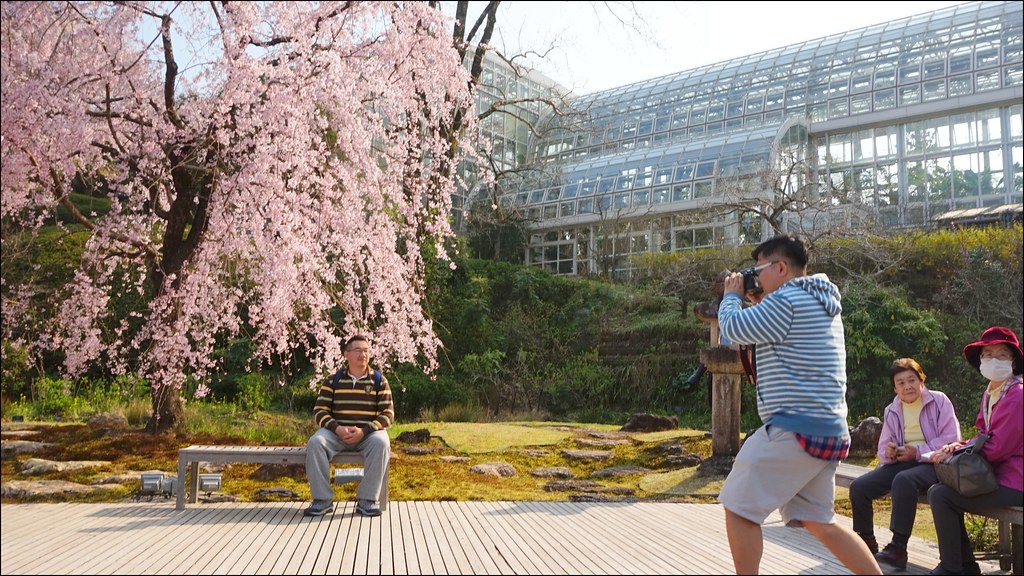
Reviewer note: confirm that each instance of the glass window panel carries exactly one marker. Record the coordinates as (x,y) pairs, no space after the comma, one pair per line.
(963,130)
(939,182)
(605,185)
(986,58)
(965,175)
(716,113)
(570,190)
(684,239)
(934,90)
(819,112)
(885,79)
(702,189)
(960,63)
(992,172)
(682,192)
(885,99)
(861,84)
(703,237)
(755,104)
(684,172)
(536,196)
(960,85)
(586,206)
(934,69)
(910,94)
(603,204)
(735,109)
(621,201)
(989,128)
(705,169)
(1013,76)
(839,108)
(663,176)
(860,104)
(533,213)
(552,194)
(885,141)
(987,80)
(641,198)
(661,124)
(568,209)
(660,195)
(624,183)
(550,211)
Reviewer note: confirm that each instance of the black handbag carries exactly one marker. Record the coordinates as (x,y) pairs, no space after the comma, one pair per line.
(967,471)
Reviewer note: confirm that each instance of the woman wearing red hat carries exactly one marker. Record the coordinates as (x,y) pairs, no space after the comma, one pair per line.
(999,359)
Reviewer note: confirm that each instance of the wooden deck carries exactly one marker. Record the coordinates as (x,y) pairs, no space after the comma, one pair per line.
(410,538)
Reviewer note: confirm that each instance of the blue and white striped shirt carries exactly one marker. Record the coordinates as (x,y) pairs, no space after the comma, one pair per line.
(801,354)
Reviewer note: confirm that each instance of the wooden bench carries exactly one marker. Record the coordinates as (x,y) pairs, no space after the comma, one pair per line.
(1010,520)
(190,457)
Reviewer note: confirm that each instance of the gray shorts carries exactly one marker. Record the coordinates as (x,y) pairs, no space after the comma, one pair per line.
(773,472)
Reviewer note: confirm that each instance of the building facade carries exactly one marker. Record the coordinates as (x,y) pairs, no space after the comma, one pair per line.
(897,124)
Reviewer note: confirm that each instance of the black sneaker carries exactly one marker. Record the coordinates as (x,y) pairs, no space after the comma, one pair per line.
(368,508)
(319,508)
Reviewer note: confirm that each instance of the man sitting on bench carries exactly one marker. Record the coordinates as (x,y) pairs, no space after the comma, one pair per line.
(353,411)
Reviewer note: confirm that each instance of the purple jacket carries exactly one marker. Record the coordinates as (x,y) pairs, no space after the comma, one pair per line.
(1005,449)
(938,424)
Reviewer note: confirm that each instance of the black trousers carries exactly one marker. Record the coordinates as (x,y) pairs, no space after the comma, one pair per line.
(948,508)
(905,480)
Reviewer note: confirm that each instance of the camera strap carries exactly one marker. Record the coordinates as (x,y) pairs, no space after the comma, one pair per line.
(749,361)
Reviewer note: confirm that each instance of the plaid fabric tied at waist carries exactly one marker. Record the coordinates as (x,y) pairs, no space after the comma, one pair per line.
(829,448)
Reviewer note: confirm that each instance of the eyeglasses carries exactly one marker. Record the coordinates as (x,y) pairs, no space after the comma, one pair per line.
(758,269)
(359,350)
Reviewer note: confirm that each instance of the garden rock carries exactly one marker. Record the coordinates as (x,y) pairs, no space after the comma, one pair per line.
(683,460)
(615,471)
(601,442)
(553,472)
(587,454)
(277,493)
(650,423)
(28,488)
(15,447)
(715,466)
(127,477)
(108,421)
(38,466)
(864,437)
(419,450)
(455,458)
(18,433)
(500,469)
(421,436)
(275,471)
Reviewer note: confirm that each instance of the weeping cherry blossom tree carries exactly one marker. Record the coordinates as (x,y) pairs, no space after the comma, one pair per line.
(275,168)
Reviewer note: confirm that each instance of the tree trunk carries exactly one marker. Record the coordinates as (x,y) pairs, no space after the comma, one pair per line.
(168,412)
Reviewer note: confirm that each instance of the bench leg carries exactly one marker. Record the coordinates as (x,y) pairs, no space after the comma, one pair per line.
(180,485)
(1017,548)
(193,483)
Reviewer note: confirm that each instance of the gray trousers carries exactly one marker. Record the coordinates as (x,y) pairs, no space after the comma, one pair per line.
(324,445)
(905,480)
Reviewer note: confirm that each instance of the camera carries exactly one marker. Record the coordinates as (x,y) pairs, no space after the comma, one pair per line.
(750,282)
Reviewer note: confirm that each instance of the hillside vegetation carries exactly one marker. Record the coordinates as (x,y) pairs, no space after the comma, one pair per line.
(520,343)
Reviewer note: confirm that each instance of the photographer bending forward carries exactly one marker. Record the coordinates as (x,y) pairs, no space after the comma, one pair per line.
(790,463)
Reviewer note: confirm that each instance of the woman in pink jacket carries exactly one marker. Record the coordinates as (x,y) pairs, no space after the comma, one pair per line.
(917,422)
(999,359)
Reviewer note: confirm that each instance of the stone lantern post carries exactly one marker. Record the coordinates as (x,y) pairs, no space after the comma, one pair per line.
(723,361)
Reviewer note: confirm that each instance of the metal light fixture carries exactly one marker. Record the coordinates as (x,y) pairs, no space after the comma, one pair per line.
(345,475)
(210,482)
(152,483)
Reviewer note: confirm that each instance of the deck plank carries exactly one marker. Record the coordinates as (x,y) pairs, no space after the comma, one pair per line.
(410,538)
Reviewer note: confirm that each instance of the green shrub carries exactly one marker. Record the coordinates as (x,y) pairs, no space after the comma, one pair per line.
(254,391)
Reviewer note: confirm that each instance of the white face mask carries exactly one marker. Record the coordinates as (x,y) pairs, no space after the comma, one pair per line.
(996,370)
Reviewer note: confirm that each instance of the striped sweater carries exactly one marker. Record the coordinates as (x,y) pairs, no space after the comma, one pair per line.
(354,403)
(801,354)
